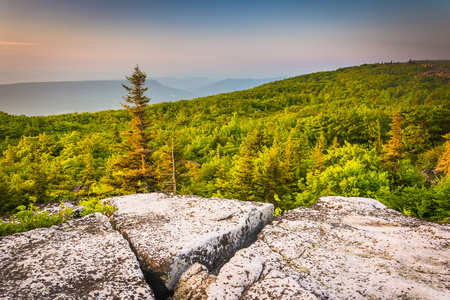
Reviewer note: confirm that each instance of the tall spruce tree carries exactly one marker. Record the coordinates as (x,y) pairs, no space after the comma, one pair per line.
(134,169)
(394,149)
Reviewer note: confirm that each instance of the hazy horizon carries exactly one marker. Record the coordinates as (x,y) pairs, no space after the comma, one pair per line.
(159,78)
(63,40)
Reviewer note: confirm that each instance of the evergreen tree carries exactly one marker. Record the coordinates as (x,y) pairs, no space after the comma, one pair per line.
(444,161)
(394,148)
(335,143)
(270,176)
(6,201)
(244,182)
(255,141)
(288,166)
(317,155)
(243,174)
(88,175)
(135,168)
(39,178)
(222,180)
(139,101)
(377,143)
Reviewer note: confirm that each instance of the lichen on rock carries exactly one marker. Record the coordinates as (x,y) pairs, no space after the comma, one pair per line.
(210,249)
(341,248)
(171,233)
(81,259)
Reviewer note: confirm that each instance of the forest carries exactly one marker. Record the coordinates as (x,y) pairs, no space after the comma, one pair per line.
(377,130)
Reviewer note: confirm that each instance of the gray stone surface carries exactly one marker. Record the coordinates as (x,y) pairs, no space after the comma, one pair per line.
(242,271)
(171,233)
(240,278)
(356,248)
(339,248)
(194,283)
(81,259)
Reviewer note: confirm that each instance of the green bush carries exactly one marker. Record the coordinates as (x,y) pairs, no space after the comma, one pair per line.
(93,205)
(34,217)
(350,171)
(417,200)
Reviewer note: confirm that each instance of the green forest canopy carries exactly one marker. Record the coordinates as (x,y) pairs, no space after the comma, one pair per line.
(377,130)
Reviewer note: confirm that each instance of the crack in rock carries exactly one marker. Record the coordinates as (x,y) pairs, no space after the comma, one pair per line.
(169,234)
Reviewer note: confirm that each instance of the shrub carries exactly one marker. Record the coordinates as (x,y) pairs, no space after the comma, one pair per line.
(34,217)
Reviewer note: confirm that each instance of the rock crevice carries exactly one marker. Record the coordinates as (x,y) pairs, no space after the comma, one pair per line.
(171,233)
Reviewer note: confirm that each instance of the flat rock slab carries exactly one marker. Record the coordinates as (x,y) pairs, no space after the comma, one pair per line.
(339,248)
(80,259)
(171,233)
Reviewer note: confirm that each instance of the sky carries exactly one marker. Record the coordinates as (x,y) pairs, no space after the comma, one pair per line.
(64,40)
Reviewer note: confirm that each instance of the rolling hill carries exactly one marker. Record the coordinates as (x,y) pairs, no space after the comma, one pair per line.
(53,98)
(230,85)
(377,130)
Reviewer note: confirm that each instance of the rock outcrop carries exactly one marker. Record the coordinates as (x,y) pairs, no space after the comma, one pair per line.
(171,233)
(81,259)
(339,248)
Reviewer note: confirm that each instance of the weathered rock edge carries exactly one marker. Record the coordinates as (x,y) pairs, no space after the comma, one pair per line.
(339,248)
(171,233)
(81,259)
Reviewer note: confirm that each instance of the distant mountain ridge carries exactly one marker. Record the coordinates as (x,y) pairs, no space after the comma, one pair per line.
(48,98)
(187,83)
(231,85)
(52,98)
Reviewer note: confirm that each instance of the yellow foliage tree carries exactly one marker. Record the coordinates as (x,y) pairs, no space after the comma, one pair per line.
(444,161)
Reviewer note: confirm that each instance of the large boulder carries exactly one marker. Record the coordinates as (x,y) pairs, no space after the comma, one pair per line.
(81,259)
(339,248)
(171,233)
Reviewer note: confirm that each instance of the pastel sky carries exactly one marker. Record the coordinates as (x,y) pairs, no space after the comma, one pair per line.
(55,40)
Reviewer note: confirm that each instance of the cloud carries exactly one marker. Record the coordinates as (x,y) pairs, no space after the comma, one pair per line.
(6,43)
